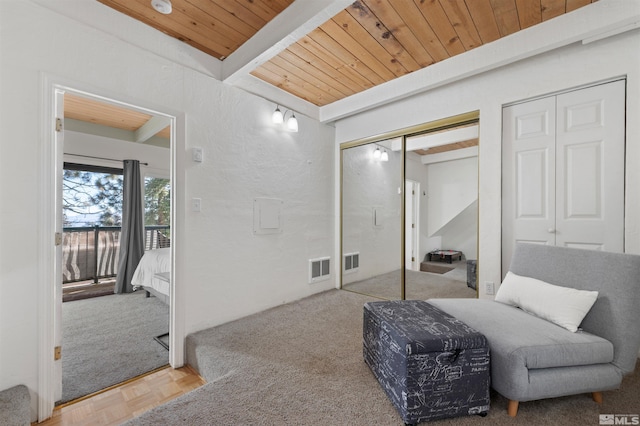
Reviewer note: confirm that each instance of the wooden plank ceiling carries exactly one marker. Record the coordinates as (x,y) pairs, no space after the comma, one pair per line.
(96,112)
(375,41)
(368,43)
(216,27)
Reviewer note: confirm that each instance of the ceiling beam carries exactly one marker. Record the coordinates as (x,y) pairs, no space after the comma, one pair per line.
(260,88)
(456,154)
(72,125)
(431,140)
(296,21)
(150,128)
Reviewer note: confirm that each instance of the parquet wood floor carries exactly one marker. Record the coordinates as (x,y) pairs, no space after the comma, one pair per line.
(127,401)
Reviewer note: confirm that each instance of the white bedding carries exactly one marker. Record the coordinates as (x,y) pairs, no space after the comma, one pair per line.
(154,266)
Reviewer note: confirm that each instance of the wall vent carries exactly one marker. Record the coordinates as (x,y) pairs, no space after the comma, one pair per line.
(319,269)
(351,262)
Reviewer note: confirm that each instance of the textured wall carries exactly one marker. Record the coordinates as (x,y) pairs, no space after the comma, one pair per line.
(452,187)
(224,271)
(369,184)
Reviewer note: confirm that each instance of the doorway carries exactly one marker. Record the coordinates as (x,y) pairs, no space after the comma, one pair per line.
(91,132)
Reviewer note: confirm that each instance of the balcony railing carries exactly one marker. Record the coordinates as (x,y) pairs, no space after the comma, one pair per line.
(91,253)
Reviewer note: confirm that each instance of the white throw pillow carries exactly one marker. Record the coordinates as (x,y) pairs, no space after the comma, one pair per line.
(564,306)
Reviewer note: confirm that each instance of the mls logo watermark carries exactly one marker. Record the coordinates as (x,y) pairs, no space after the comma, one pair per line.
(619,419)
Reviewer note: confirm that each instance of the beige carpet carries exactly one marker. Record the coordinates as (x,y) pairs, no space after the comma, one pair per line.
(301,364)
(419,285)
(108,340)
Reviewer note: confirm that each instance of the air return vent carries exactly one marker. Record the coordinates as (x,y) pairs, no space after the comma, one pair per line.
(351,262)
(319,269)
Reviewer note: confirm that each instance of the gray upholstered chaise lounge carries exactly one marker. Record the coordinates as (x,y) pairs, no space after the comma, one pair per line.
(532,358)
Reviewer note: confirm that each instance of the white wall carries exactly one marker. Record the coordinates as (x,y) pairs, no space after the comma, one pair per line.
(79,147)
(229,272)
(452,187)
(223,270)
(568,67)
(446,189)
(369,184)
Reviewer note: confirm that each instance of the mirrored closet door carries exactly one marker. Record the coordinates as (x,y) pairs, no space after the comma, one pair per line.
(409,205)
(372,219)
(441,226)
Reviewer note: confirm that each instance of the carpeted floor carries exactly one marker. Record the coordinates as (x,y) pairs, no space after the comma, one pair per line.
(301,364)
(109,339)
(419,285)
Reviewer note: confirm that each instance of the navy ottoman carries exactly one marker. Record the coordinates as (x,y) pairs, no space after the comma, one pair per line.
(430,364)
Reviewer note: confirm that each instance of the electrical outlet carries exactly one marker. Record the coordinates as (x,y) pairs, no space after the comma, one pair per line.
(489,288)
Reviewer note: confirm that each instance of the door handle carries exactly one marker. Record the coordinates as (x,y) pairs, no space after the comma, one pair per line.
(551,230)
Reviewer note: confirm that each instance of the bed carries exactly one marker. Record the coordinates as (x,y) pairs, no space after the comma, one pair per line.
(153,274)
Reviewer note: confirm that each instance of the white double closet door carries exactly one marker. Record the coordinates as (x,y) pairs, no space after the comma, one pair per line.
(563,170)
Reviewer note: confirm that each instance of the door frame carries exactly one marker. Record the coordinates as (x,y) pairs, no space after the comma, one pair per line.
(414,215)
(53,87)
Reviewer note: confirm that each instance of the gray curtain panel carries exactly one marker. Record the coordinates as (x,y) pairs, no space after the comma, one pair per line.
(132,236)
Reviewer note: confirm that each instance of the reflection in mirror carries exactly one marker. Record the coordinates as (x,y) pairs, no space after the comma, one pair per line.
(441,213)
(371,219)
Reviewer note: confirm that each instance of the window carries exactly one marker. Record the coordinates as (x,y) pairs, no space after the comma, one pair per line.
(91,196)
(157,201)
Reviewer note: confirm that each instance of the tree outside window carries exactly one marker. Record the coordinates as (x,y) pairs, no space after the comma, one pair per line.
(157,201)
(94,198)
(91,198)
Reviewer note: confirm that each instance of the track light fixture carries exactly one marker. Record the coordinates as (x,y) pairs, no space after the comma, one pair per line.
(292,122)
(377,153)
(278,118)
(380,154)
